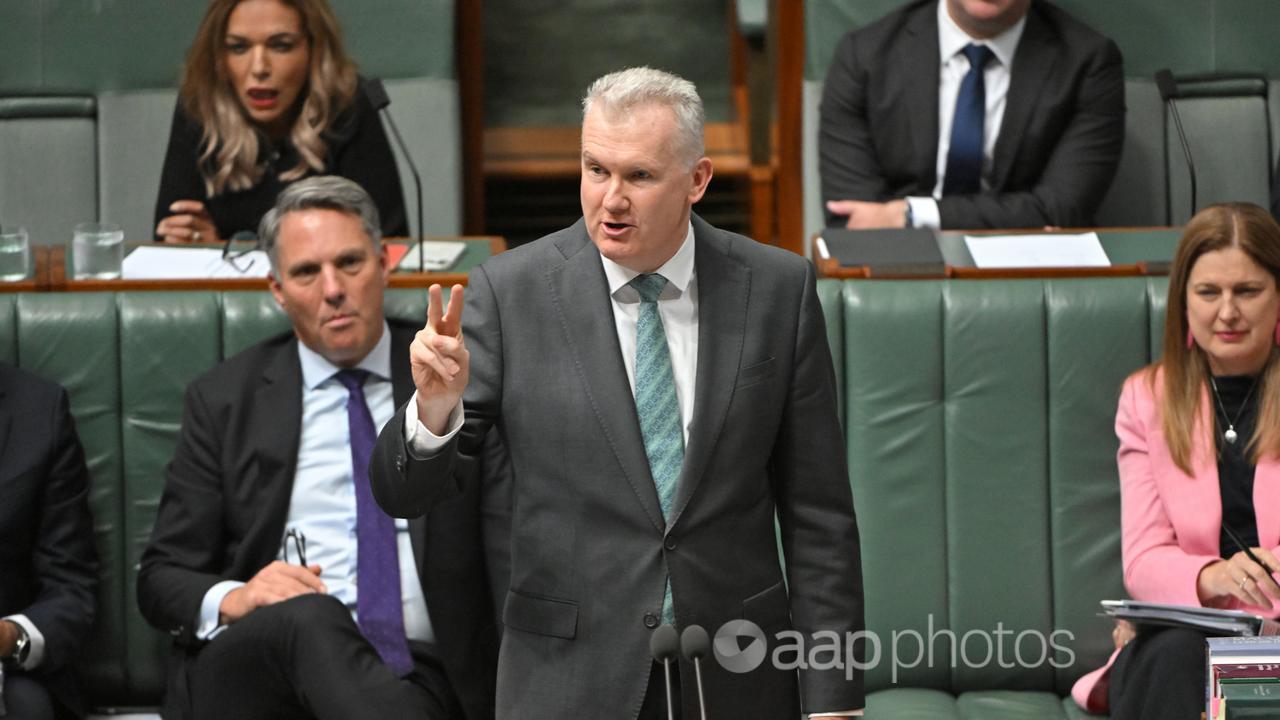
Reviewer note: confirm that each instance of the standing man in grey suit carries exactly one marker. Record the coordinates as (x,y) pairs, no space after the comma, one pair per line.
(665,390)
(288,592)
(971,114)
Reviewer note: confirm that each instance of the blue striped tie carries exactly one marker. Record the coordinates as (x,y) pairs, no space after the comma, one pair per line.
(656,404)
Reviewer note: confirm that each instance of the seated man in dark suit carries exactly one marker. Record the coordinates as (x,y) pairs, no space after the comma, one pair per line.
(48,567)
(288,592)
(971,114)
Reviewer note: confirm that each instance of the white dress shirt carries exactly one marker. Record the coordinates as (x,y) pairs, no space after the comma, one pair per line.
(322,506)
(951,41)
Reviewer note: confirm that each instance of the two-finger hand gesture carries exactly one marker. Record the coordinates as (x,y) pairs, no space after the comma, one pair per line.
(439,359)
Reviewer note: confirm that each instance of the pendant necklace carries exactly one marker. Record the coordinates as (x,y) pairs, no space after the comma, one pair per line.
(1230,433)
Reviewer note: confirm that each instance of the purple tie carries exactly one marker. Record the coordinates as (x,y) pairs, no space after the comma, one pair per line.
(378,604)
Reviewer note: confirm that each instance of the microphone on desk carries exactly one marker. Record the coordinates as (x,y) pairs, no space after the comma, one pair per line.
(1168,91)
(695,645)
(664,643)
(377,95)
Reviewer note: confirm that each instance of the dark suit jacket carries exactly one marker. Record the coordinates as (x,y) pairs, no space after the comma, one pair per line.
(1059,143)
(226,499)
(48,565)
(589,548)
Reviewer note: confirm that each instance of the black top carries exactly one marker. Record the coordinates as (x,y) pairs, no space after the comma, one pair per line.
(358,150)
(1235,467)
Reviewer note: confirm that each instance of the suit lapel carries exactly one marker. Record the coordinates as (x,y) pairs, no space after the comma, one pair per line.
(723,290)
(922,66)
(402,390)
(580,295)
(1033,64)
(277,421)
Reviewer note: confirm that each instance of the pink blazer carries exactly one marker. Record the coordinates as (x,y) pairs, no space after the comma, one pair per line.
(1170,521)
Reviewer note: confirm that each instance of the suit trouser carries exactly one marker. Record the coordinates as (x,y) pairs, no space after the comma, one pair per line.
(305,658)
(1159,676)
(26,699)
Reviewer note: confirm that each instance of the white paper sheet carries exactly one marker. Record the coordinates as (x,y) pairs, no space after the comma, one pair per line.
(438,255)
(1037,251)
(160,262)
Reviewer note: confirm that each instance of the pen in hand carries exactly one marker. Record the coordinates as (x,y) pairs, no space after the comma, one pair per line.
(1249,553)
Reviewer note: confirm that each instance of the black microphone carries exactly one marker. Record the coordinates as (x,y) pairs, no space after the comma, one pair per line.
(377,95)
(1168,91)
(695,645)
(664,643)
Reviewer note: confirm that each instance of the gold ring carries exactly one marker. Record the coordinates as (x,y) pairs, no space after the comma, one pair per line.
(1244,582)
(196,236)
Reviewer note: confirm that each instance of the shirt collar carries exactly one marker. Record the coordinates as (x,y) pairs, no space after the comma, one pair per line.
(951,39)
(316,369)
(678,271)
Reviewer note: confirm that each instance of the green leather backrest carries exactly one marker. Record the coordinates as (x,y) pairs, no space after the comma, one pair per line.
(126,360)
(132,44)
(979,421)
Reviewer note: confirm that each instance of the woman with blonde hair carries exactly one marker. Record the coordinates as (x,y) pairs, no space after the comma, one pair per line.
(1199,462)
(268,96)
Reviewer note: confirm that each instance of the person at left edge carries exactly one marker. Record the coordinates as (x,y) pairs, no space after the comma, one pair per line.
(268,96)
(48,565)
(389,619)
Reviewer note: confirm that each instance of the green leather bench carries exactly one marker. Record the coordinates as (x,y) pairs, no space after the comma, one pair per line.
(982,457)
(978,417)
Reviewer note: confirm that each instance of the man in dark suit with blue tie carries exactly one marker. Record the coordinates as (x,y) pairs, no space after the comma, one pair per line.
(48,566)
(287,591)
(665,390)
(971,114)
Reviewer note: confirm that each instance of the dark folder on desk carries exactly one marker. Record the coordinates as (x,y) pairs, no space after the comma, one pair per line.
(899,251)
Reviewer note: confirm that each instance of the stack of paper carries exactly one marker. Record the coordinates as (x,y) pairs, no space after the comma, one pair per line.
(164,262)
(1242,678)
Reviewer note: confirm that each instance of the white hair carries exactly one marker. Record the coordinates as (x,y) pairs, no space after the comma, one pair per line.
(620,92)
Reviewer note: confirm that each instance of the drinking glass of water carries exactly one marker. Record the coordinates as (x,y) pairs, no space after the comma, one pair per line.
(15,254)
(97,251)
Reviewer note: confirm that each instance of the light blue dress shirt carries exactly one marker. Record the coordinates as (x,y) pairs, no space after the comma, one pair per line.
(322,506)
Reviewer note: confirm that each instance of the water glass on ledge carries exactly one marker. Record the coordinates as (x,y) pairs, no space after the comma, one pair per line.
(97,251)
(15,254)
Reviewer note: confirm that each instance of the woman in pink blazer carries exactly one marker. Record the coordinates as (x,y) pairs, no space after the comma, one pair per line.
(1199,450)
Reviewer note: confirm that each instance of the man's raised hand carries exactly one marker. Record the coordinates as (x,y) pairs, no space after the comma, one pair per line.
(439,359)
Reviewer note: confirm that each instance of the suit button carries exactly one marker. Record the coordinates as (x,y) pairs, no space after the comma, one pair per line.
(650,620)
(671,543)
(400,463)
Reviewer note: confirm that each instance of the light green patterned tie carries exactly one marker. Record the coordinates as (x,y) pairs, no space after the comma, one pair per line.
(656,404)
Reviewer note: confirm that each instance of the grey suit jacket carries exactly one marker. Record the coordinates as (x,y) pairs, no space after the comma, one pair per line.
(589,550)
(1059,142)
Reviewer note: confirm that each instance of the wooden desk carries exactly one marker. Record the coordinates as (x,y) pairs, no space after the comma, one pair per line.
(479,248)
(39,278)
(1132,251)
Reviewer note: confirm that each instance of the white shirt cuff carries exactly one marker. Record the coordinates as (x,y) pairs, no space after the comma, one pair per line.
(846,713)
(35,651)
(924,212)
(207,627)
(422,442)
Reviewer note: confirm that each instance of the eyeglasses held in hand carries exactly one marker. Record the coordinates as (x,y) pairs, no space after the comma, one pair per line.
(299,541)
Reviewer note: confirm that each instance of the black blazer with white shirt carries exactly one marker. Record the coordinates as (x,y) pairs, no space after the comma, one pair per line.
(1059,142)
(48,564)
